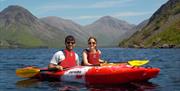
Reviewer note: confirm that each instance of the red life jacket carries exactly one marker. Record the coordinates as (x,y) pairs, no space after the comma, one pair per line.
(70,59)
(93,58)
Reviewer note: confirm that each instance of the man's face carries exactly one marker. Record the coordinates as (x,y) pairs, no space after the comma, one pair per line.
(70,45)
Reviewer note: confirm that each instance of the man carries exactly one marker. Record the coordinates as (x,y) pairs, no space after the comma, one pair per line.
(66,58)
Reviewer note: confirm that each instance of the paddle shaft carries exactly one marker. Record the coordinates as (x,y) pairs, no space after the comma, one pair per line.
(52,69)
(132,63)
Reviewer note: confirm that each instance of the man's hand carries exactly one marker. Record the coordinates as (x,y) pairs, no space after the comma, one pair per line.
(59,67)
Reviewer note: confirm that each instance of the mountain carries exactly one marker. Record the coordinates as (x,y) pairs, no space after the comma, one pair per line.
(67,26)
(162,29)
(134,29)
(108,30)
(19,28)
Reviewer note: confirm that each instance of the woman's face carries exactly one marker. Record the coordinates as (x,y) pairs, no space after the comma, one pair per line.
(92,44)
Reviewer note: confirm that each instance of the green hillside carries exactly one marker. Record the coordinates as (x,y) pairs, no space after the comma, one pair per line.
(170,36)
(18,37)
(162,30)
(20,29)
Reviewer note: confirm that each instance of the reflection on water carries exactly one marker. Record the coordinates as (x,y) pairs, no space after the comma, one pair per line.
(65,86)
(27,83)
(133,86)
(60,86)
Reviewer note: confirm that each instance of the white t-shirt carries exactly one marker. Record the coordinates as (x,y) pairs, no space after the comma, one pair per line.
(59,56)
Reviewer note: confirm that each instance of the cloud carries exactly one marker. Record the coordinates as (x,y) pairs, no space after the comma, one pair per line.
(128,14)
(103,4)
(107,4)
(122,14)
(57,7)
(2,0)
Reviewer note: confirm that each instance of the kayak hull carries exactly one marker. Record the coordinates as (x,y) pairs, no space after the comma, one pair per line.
(101,75)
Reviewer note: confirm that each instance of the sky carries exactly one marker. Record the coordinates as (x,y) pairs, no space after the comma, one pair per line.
(85,12)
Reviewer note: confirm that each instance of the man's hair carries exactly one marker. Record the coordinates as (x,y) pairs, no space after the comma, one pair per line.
(69,38)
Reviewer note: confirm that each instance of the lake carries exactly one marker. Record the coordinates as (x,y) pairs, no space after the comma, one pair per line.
(168,60)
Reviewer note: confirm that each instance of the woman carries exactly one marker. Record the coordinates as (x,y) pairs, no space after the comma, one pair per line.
(91,55)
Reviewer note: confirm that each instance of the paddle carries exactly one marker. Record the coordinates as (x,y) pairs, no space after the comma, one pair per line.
(29,72)
(136,63)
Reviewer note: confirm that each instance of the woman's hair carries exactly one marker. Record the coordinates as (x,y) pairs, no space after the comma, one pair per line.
(92,38)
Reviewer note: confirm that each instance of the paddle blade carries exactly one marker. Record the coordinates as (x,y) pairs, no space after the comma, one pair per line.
(27,72)
(138,62)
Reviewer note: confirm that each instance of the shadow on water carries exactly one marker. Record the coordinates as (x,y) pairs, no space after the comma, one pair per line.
(67,86)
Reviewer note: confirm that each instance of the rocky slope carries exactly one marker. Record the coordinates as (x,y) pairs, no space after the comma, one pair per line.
(162,30)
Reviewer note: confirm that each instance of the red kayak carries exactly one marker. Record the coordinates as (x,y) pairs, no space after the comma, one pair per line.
(101,74)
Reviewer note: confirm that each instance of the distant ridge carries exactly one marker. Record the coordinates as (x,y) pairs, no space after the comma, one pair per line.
(67,26)
(19,28)
(108,30)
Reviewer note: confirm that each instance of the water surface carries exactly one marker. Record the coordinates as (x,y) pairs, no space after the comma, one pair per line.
(168,60)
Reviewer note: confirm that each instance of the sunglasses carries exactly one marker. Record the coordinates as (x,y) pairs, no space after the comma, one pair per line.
(91,43)
(70,42)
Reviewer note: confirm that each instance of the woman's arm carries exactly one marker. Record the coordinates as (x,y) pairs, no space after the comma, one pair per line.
(77,59)
(100,60)
(84,59)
